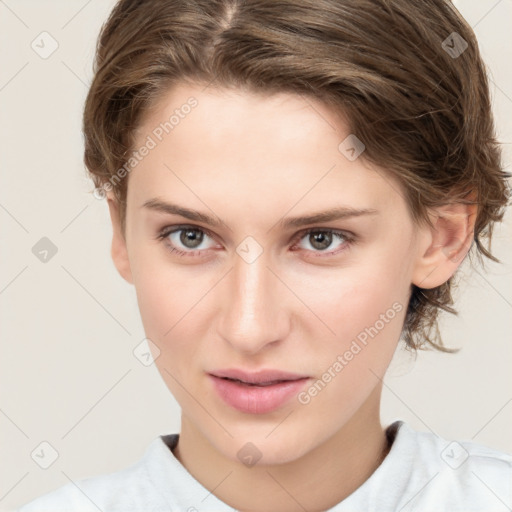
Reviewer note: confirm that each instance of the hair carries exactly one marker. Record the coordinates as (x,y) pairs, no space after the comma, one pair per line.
(407,86)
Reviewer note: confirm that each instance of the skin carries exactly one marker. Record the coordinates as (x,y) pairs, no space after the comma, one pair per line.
(252,160)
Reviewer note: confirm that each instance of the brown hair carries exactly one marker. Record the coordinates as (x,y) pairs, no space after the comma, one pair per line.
(407,75)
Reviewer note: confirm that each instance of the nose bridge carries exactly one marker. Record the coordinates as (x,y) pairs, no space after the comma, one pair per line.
(253,312)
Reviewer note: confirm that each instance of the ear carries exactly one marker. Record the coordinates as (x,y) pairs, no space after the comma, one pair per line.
(444,245)
(119,250)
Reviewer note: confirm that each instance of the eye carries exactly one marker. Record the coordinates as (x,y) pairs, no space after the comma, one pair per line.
(190,238)
(320,240)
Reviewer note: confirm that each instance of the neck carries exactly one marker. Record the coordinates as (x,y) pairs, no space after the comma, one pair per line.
(316,481)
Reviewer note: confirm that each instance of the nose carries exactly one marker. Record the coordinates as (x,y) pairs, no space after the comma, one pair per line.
(253,308)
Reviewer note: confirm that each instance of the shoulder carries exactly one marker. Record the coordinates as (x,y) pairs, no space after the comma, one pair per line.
(464,474)
(457,455)
(129,489)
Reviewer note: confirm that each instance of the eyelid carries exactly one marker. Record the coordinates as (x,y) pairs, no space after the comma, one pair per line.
(167,230)
(345,234)
(349,237)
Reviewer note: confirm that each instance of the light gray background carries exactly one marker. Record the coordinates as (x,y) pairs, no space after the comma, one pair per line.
(69,326)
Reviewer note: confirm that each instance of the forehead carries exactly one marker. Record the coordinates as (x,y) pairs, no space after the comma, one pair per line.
(256,117)
(252,148)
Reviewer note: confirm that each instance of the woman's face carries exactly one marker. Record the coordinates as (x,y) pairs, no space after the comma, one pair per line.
(255,291)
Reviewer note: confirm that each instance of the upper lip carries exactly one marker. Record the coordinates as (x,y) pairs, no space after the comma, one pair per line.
(259,377)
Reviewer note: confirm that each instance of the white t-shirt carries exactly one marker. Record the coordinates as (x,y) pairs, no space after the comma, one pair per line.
(421,472)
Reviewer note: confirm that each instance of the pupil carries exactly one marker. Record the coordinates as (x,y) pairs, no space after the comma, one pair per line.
(321,240)
(189,236)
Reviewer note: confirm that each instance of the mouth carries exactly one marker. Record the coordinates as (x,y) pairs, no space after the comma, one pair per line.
(256,393)
(260,384)
(261,377)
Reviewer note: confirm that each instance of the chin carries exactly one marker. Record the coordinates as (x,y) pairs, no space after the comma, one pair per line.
(259,450)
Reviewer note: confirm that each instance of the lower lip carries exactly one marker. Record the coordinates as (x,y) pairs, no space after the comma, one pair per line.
(256,399)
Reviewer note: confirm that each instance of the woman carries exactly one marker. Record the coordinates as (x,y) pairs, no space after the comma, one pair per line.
(292,187)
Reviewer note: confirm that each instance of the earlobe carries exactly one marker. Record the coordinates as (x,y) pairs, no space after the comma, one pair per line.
(119,250)
(443,246)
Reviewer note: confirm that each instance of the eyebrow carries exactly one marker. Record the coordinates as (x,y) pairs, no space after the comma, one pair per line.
(329,215)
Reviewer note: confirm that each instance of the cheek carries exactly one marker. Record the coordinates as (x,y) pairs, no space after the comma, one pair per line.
(351,299)
(367,316)
(166,295)
(365,306)
(157,303)
(175,304)
(167,303)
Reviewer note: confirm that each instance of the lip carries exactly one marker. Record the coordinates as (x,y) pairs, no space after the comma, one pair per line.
(250,395)
(259,377)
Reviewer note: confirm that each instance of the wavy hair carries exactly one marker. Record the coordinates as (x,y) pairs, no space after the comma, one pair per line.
(406,75)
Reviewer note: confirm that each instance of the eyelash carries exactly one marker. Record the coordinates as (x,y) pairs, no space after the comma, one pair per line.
(348,238)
